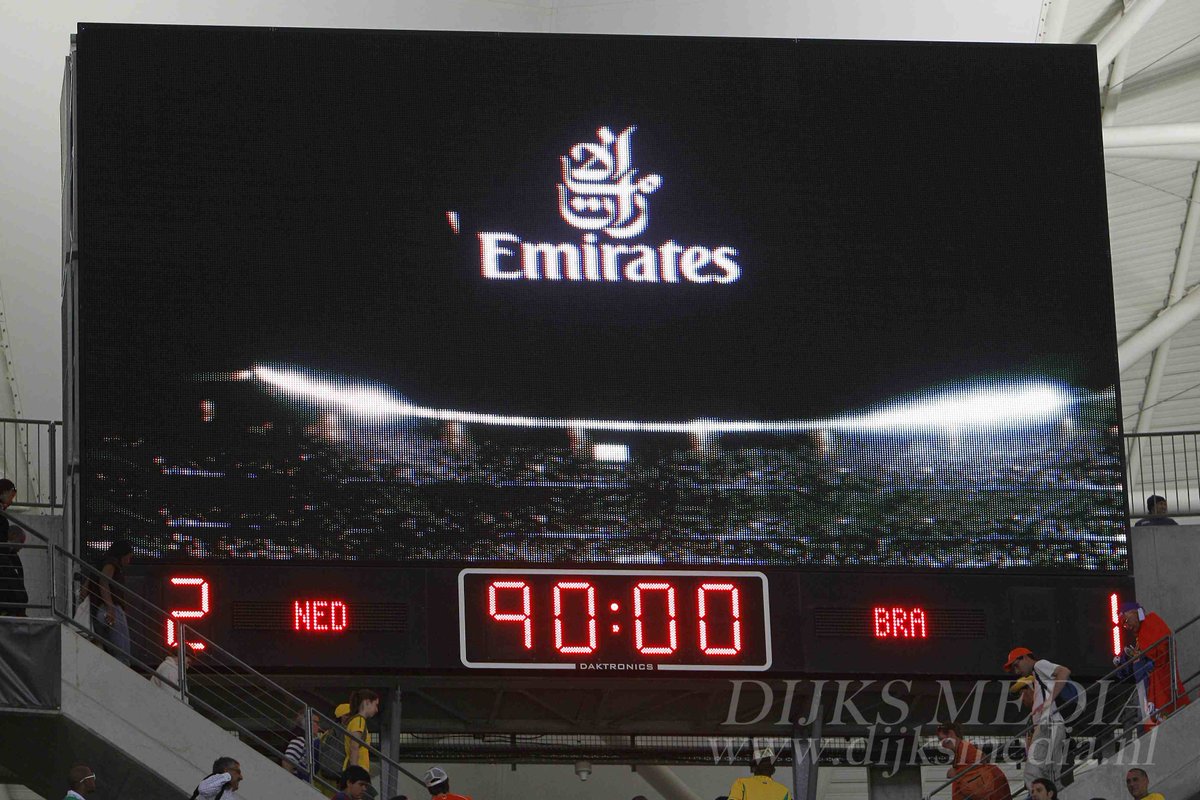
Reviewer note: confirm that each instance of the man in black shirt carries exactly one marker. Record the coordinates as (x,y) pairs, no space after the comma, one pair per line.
(13,597)
(1156,507)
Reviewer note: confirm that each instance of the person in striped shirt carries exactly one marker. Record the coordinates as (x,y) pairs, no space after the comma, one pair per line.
(295,757)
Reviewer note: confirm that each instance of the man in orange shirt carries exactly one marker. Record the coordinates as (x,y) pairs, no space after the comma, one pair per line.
(438,784)
(1149,654)
(974,778)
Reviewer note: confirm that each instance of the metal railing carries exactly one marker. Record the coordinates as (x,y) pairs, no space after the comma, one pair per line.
(1167,465)
(192,668)
(30,455)
(1094,732)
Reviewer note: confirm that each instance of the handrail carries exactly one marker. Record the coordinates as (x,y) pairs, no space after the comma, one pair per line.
(1101,682)
(288,705)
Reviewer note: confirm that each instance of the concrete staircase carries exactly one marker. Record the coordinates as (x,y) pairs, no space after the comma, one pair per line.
(141,741)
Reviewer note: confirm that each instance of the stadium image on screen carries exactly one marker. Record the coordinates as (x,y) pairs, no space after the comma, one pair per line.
(404,304)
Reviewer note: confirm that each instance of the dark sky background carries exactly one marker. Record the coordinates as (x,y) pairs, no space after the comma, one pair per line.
(906,215)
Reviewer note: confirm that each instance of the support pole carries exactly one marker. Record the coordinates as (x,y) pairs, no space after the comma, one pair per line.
(308,743)
(1173,133)
(1123,32)
(181,655)
(1116,79)
(1179,278)
(806,758)
(1169,322)
(1054,14)
(664,781)
(1166,152)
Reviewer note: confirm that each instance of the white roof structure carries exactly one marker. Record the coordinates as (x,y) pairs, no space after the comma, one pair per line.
(1151,98)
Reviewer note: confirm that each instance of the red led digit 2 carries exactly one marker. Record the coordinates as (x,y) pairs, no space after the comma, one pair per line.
(188,613)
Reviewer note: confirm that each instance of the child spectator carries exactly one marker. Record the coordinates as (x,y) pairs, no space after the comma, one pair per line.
(354,784)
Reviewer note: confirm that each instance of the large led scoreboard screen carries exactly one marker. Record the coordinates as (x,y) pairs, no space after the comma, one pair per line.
(607,301)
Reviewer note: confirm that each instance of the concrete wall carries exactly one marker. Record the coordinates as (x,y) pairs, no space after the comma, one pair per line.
(1170,754)
(1166,563)
(156,730)
(37,562)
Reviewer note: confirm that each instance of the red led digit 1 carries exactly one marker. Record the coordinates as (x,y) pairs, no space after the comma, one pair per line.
(1114,608)
(582,649)
(736,608)
(192,613)
(639,635)
(523,616)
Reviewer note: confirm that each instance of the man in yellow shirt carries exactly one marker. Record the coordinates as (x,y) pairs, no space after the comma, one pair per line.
(1138,784)
(760,785)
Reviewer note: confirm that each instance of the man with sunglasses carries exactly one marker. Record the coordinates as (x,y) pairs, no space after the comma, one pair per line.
(82,782)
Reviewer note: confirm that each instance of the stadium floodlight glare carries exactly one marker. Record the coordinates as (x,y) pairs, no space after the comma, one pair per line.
(976,408)
(1013,406)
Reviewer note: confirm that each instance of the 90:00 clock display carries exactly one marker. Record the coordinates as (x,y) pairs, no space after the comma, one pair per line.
(586,619)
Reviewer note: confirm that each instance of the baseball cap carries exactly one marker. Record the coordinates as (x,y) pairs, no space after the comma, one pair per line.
(342,710)
(1014,654)
(434,776)
(762,750)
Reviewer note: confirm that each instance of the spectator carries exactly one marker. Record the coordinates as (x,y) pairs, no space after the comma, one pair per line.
(13,597)
(354,784)
(329,765)
(82,781)
(1047,748)
(295,757)
(760,785)
(1156,509)
(1042,789)
(1148,654)
(222,783)
(364,704)
(438,784)
(108,615)
(974,778)
(1138,784)
(166,677)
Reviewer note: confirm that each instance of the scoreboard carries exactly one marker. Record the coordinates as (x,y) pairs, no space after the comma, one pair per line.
(511,354)
(634,622)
